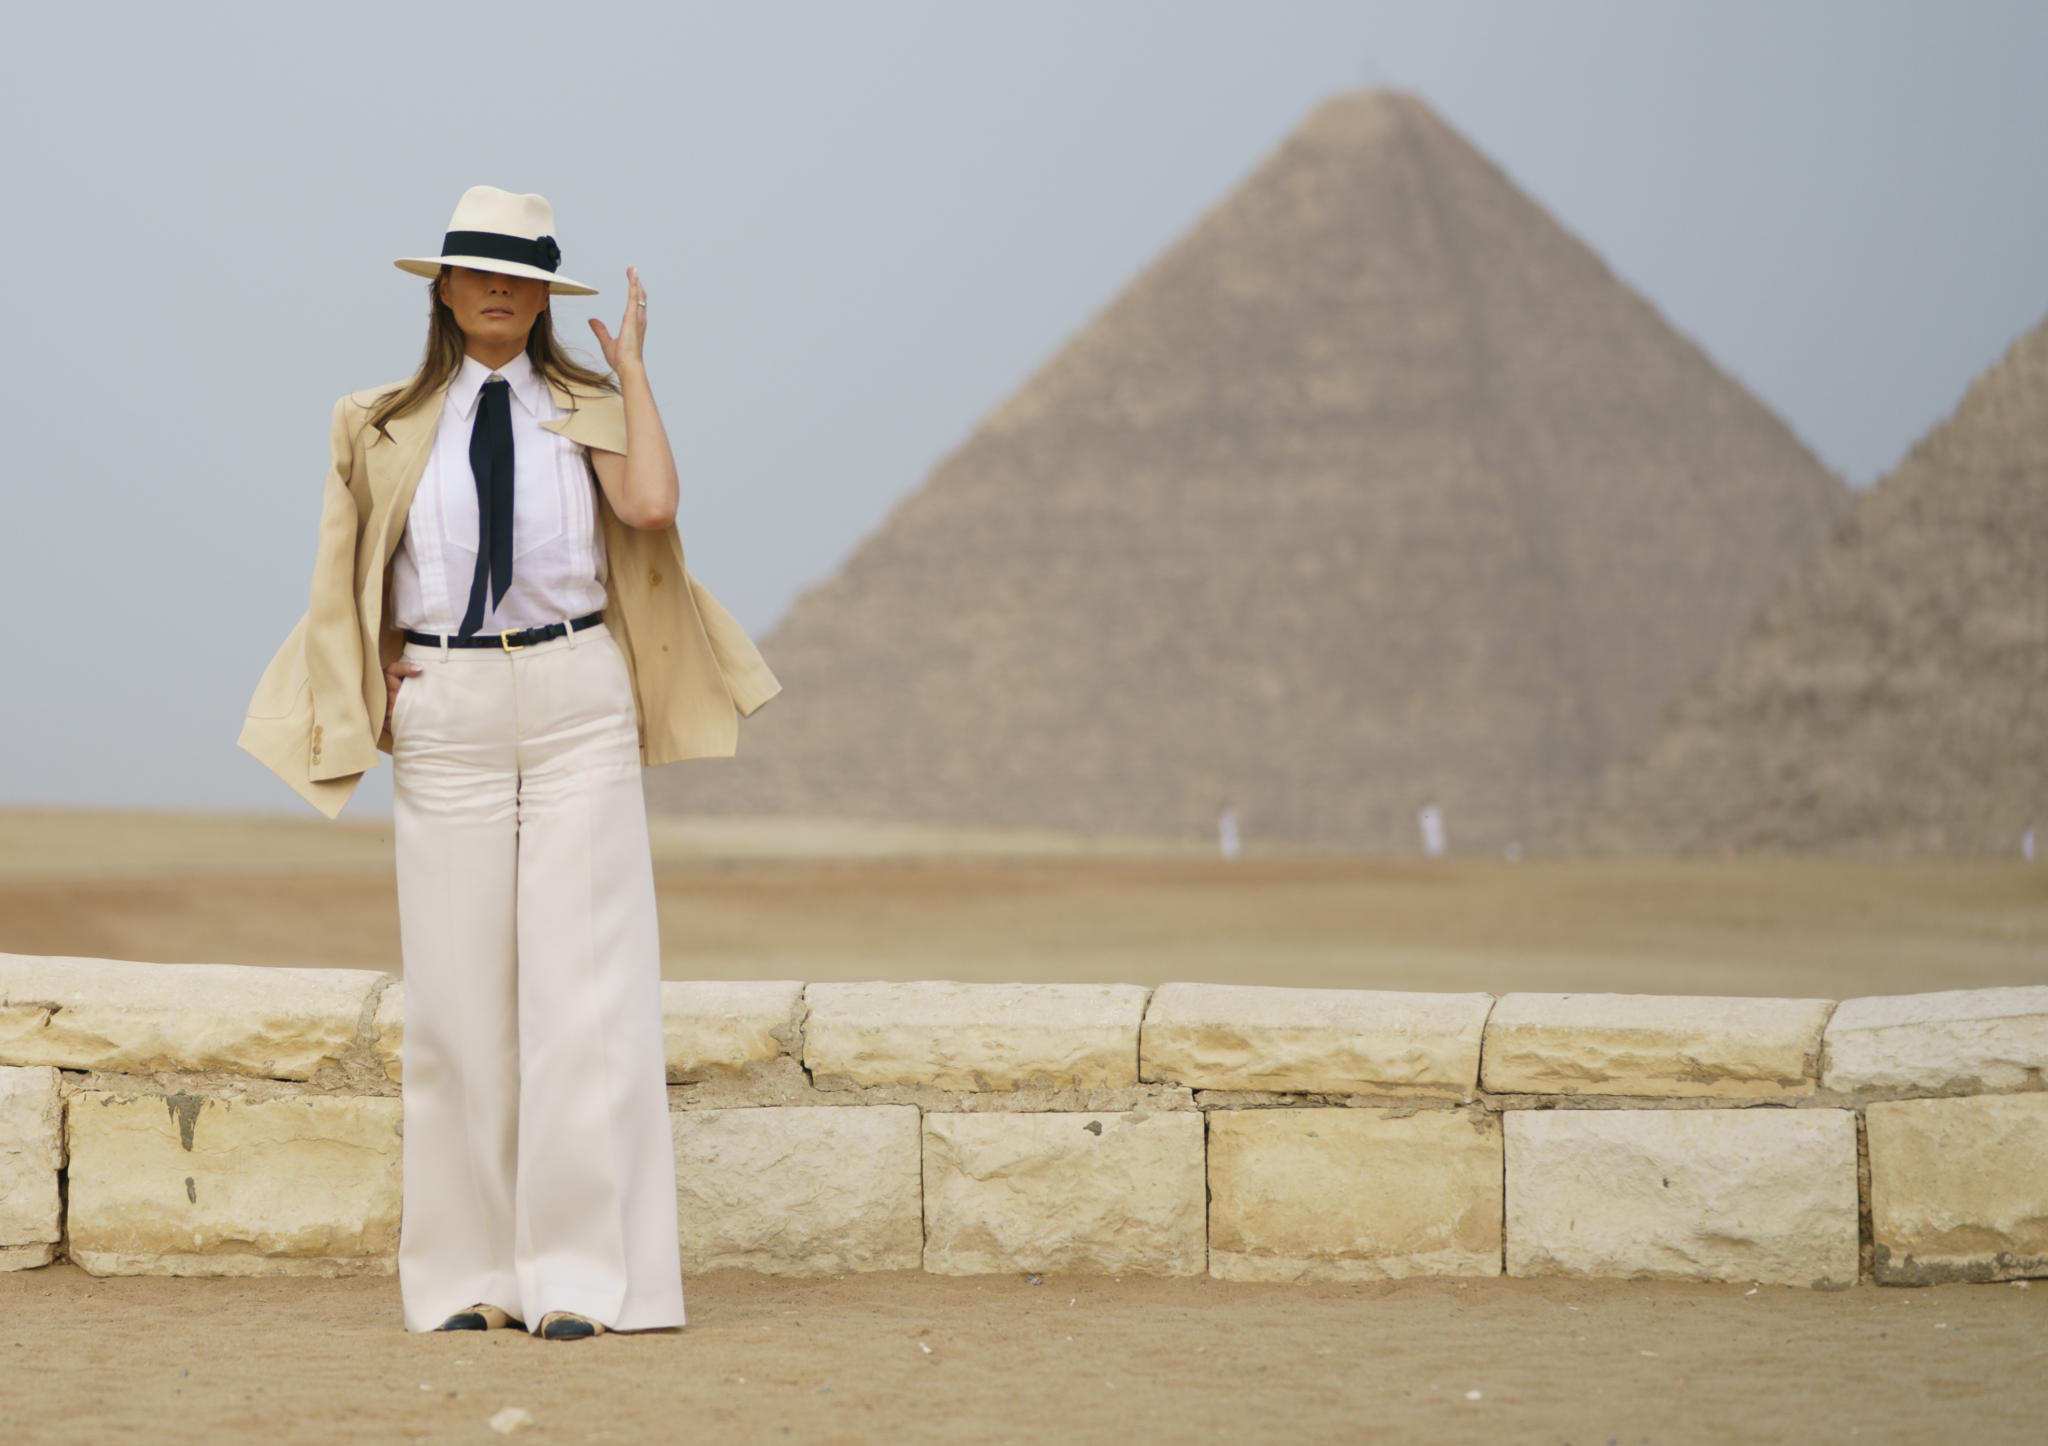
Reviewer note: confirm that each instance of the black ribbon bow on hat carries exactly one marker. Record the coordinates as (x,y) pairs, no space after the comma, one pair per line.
(490,458)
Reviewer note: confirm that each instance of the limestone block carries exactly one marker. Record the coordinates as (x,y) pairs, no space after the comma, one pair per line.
(973,1036)
(709,1027)
(1735,1194)
(1654,1044)
(1094,1193)
(1333,1041)
(1959,1188)
(799,1191)
(31,1154)
(187,1185)
(1353,1194)
(1978,1040)
(388,1030)
(114,1014)
(714,1026)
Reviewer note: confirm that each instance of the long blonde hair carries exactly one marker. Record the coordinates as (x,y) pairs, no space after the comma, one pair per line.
(446,347)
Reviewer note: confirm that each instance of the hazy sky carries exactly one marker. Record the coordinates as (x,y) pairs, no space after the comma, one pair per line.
(861,226)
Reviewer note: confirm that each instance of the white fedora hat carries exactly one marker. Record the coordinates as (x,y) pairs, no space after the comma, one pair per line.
(494,230)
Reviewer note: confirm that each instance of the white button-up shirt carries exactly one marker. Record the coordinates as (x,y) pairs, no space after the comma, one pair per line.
(557,550)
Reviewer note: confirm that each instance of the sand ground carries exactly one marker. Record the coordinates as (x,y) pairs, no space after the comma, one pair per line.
(842,1360)
(1072,1360)
(750,902)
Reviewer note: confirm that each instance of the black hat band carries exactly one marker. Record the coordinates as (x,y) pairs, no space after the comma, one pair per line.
(496,246)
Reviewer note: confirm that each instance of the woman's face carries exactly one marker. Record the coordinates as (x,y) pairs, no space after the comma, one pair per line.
(492,308)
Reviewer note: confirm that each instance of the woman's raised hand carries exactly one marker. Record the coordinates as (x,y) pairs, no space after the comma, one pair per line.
(623,350)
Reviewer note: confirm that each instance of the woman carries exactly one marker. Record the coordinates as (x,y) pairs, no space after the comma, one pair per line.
(499,599)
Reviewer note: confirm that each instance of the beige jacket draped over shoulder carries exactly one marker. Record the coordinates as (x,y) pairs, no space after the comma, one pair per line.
(316,719)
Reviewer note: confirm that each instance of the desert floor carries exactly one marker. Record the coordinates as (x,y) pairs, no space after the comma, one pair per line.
(1071,1359)
(906,1357)
(838,902)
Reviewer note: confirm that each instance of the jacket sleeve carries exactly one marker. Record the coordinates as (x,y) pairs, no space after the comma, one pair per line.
(746,673)
(342,742)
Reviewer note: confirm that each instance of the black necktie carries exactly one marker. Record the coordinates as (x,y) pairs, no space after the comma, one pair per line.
(490,458)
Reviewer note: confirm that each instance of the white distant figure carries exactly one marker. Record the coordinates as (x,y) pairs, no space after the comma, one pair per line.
(1226,832)
(2027,844)
(1432,820)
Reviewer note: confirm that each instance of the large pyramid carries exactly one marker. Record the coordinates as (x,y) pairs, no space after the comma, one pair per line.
(1894,698)
(1376,489)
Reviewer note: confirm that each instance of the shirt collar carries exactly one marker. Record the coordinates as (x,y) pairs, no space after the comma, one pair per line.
(471,376)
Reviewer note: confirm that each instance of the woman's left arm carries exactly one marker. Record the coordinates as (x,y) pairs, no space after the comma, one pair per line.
(641,485)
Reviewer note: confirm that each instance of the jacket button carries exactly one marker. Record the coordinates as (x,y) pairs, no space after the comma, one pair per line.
(654,577)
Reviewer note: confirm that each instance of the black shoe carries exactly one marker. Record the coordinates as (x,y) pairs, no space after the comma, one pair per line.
(479,1318)
(563,1325)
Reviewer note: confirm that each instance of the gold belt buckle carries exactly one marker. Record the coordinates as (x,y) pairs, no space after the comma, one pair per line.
(504,641)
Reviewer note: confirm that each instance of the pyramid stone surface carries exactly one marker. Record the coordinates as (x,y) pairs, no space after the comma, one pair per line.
(1375,489)
(1894,699)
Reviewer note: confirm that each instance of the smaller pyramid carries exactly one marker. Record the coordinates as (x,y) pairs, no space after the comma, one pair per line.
(1893,700)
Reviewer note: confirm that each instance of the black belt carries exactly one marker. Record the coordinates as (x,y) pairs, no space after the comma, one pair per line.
(510,642)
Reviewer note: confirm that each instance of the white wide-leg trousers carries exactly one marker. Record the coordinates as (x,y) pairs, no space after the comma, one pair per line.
(539,1168)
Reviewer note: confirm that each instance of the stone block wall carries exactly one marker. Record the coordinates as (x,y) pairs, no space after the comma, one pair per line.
(214,1120)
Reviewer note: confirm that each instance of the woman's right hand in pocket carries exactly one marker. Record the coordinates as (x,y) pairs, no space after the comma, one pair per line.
(396,672)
